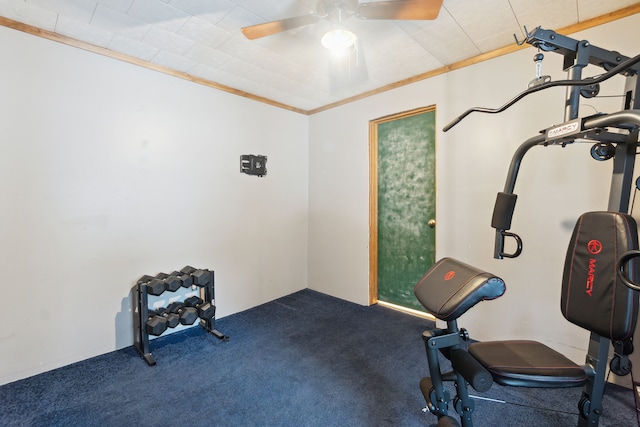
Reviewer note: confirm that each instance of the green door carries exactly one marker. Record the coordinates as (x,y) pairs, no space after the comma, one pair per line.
(404,218)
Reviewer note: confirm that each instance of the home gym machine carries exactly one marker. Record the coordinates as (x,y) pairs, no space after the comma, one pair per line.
(601,272)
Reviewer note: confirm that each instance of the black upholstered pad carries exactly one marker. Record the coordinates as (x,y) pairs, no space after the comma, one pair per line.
(593,297)
(527,364)
(450,288)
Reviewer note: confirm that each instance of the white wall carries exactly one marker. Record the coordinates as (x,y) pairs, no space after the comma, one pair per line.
(109,171)
(555,186)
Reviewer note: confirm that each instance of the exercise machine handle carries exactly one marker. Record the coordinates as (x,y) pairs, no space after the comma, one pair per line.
(501,221)
(621,67)
(457,120)
(623,271)
(506,201)
(499,252)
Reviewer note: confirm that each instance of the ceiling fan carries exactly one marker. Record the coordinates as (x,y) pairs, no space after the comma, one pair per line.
(338,11)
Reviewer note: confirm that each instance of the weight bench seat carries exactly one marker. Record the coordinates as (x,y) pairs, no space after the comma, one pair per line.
(524,363)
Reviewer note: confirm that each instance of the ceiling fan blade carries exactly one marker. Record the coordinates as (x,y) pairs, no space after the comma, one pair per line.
(400,9)
(261,30)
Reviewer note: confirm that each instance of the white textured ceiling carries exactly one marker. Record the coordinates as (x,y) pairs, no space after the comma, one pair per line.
(203,38)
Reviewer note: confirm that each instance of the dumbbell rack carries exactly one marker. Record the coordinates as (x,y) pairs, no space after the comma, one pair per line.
(141,314)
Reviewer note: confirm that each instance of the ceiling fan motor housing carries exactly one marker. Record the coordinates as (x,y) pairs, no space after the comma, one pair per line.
(337,11)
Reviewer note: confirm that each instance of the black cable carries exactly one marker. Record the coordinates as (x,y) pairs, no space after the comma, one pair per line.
(524,405)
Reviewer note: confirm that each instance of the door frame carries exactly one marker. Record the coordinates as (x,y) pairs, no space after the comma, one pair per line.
(373,192)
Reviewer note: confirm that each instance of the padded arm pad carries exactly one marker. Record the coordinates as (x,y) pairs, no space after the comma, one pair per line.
(450,288)
(503,211)
(476,375)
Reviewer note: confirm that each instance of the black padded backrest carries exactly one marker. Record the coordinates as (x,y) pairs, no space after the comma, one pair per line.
(592,295)
(450,287)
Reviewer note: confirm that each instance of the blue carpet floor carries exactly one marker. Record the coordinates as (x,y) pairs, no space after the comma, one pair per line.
(303,360)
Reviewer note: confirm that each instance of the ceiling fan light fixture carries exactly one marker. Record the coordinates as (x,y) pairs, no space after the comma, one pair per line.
(338,39)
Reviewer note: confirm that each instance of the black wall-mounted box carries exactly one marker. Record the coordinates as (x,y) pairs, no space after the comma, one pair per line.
(253,165)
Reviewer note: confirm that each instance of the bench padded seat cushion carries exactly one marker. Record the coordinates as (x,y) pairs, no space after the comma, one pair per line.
(527,364)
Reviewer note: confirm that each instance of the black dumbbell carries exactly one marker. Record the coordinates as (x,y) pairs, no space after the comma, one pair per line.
(187,269)
(185,279)
(200,277)
(154,285)
(172,283)
(188,315)
(156,324)
(173,319)
(206,310)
